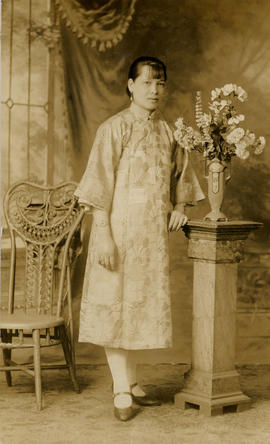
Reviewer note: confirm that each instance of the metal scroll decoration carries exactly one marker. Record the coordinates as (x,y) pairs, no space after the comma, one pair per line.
(102,27)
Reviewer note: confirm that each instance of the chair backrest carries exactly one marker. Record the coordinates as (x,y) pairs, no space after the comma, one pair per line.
(46,218)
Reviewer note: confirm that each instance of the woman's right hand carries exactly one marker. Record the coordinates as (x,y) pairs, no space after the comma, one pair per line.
(105,250)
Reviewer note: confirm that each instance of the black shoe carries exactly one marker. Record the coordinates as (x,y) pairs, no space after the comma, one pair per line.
(145,400)
(126,413)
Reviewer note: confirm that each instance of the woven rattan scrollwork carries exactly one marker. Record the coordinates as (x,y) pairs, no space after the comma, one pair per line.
(43,218)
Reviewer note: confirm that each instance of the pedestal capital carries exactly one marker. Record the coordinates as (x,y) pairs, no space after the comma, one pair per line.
(224,230)
(219,242)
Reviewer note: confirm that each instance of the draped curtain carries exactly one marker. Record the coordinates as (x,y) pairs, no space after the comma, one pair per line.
(95,68)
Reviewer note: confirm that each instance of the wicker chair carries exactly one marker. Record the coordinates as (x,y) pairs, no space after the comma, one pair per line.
(48,220)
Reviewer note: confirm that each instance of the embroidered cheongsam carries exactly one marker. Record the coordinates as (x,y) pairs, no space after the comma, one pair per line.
(129,175)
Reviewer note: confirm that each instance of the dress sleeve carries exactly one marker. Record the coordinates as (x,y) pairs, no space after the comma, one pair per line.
(185,185)
(96,187)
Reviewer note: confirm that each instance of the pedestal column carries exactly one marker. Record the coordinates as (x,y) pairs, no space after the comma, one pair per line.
(213,385)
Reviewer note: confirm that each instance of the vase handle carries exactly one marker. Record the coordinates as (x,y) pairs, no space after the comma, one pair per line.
(228,171)
(205,169)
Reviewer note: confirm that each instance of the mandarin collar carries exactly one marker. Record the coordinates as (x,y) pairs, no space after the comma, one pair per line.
(142,114)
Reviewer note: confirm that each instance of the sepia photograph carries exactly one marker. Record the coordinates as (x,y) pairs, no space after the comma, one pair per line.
(135,222)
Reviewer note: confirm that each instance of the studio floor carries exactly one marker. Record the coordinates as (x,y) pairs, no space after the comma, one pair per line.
(87,418)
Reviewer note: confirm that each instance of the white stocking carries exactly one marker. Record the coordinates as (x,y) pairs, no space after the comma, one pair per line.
(118,362)
(132,373)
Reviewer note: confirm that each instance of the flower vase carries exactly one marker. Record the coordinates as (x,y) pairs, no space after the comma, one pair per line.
(217,179)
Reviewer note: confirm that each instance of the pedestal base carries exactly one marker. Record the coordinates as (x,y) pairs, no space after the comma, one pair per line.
(212,393)
(234,402)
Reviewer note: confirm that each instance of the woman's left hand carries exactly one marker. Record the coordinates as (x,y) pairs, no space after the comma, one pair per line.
(177,220)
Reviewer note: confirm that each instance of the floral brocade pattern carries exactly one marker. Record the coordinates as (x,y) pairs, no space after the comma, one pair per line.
(128,174)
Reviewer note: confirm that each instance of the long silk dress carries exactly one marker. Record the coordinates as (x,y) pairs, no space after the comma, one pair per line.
(129,175)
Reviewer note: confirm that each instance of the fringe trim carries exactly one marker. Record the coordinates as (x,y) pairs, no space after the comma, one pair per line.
(90,25)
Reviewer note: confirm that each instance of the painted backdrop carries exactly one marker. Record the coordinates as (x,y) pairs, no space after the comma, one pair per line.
(205,45)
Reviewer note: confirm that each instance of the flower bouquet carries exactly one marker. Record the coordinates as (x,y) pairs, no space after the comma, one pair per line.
(219,137)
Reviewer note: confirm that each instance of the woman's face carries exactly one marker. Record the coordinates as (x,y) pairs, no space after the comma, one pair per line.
(146,90)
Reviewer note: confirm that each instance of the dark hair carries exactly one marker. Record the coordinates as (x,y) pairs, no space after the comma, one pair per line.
(157,65)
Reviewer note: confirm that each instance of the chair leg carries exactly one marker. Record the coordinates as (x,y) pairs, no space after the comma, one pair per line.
(37,368)
(68,350)
(7,337)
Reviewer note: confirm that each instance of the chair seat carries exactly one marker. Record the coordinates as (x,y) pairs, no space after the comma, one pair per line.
(20,320)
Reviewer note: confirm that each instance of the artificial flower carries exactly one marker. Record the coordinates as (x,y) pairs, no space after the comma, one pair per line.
(237,119)
(241,94)
(260,145)
(219,135)
(241,153)
(228,89)
(207,118)
(179,122)
(235,135)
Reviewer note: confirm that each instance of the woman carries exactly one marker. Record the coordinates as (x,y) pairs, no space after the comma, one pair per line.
(127,182)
